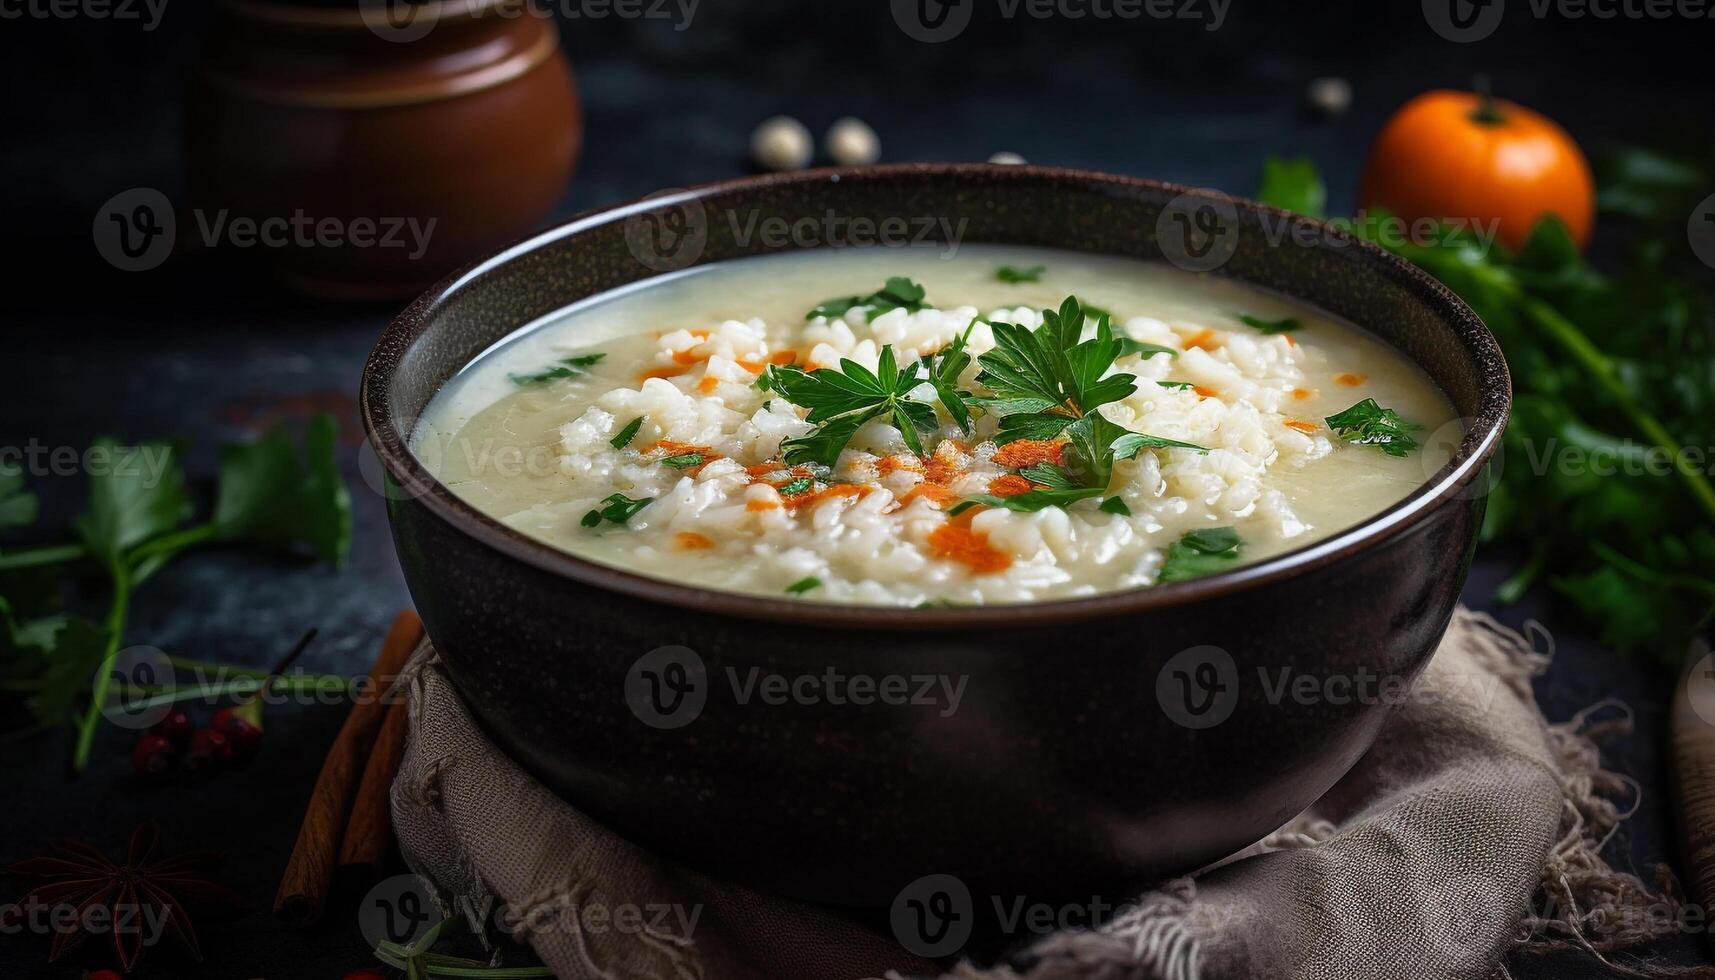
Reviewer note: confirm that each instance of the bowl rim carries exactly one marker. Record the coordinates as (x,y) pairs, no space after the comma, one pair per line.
(1440,489)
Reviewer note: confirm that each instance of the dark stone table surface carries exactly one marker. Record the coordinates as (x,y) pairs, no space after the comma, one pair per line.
(206,347)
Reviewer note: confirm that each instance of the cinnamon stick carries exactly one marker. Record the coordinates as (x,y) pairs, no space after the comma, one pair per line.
(370,828)
(310,871)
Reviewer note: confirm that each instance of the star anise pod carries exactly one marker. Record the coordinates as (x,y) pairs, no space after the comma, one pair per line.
(135,902)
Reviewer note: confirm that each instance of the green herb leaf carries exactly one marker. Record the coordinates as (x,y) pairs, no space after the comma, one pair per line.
(1026,503)
(683,461)
(59,662)
(1181,385)
(944,367)
(1132,443)
(1051,365)
(795,487)
(1010,274)
(565,367)
(274,494)
(1199,553)
(1048,475)
(1293,185)
(1115,505)
(844,401)
(139,495)
(898,293)
(625,435)
(1129,346)
(1270,327)
(804,585)
(617,509)
(1369,424)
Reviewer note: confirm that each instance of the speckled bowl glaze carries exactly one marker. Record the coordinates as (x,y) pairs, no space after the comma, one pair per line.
(1097,741)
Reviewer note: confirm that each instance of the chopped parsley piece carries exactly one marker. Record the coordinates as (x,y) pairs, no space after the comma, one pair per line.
(1130,444)
(617,508)
(1027,503)
(565,367)
(1138,347)
(1199,553)
(804,585)
(684,461)
(1369,424)
(793,488)
(1270,327)
(1114,505)
(1175,384)
(1014,275)
(898,293)
(627,434)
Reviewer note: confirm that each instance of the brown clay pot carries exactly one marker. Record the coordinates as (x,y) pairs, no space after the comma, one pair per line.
(335,129)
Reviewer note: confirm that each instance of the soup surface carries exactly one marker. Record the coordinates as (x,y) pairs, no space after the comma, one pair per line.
(902,426)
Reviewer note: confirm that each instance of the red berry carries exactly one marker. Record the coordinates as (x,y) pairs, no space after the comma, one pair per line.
(245,737)
(152,756)
(209,749)
(176,728)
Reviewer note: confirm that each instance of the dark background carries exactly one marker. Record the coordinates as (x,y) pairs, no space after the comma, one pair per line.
(207,348)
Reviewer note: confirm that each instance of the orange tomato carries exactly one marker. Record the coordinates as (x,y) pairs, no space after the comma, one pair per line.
(1463,156)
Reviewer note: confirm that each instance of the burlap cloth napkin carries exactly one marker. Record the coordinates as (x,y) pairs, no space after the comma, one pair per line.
(1472,827)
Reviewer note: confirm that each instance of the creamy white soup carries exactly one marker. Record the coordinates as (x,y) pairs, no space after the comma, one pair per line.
(904,427)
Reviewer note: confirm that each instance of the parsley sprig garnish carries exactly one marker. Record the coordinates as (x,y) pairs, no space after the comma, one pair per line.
(1369,424)
(566,367)
(899,293)
(1198,553)
(844,401)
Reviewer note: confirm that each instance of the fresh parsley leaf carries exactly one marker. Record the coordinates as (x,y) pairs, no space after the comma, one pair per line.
(796,486)
(616,508)
(1369,424)
(1132,443)
(683,461)
(140,494)
(1175,384)
(1293,185)
(1051,365)
(899,293)
(67,657)
(1011,274)
(274,494)
(565,367)
(1129,346)
(1026,503)
(804,585)
(1270,327)
(1115,505)
(1048,475)
(1199,553)
(17,507)
(625,435)
(842,402)
(1092,313)
(1036,427)
(944,368)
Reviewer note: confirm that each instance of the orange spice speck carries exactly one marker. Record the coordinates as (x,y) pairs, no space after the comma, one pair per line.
(1350,380)
(688,356)
(936,494)
(1289,341)
(1203,392)
(1029,452)
(958,541)
(939,469)
(708,384)
(1010,485)
(1300,425)
(692,541)
(1204,338)
(827,493)
(759,504)
(783,357)
(1302,393)
(662,372)
(893,464)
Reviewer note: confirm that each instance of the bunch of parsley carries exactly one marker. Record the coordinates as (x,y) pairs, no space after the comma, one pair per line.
(272,493)
(1615,370)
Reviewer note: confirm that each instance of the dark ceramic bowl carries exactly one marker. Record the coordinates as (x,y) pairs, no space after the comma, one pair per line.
(1082,752)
